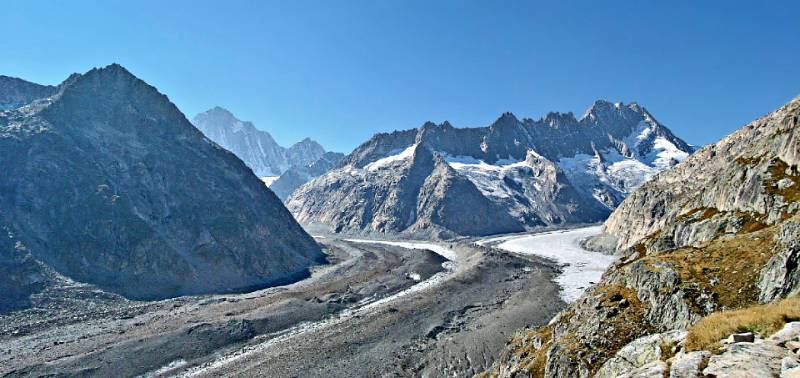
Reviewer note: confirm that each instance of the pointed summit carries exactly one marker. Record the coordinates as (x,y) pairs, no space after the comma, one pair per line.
(139,179)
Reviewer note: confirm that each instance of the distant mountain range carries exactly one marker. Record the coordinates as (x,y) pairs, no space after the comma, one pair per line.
(295,165)
(106,182)
(441,181)
(255,147)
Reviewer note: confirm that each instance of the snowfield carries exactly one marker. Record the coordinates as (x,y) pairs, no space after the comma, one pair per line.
(388,161)
(581,268)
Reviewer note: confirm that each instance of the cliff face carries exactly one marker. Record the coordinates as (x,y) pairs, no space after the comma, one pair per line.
(717,232)
(106,182)
(520,174)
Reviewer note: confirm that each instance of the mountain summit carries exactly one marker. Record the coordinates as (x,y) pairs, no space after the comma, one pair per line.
(517,173)
(255,147)
(106,182)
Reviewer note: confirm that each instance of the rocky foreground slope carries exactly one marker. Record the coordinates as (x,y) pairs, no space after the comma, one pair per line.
(719,232)
(441,181)
(106,182)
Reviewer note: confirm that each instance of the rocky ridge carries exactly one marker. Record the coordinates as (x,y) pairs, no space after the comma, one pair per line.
(440,181)
(107,183)
(717,232)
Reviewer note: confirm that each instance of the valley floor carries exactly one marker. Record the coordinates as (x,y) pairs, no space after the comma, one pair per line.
(400,308)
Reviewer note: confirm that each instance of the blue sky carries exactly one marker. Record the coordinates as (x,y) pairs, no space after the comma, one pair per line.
(340,71)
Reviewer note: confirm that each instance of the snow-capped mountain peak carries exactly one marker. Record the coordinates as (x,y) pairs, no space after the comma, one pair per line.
(255,147)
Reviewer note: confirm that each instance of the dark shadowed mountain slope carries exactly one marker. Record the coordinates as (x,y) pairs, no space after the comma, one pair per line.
(106,182)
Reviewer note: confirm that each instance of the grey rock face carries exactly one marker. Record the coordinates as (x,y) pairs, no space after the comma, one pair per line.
(688,365)
(106,182)
(255,147)
(15,92)
(521,173)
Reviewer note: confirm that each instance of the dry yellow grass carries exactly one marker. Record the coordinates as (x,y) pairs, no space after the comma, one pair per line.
(763,319)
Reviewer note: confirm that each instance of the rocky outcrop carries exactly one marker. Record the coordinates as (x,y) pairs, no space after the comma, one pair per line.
(717,232)
(255,147)
(106,182)
(522,173)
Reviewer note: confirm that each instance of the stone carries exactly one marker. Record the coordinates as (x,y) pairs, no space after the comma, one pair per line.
(747,337)
(638,354)
(742,360)
(655,369)
(793,345)
(789,331)
(791,373)
(789,362)
(687,365)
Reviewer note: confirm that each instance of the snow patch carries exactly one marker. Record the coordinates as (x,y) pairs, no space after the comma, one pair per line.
(488,178)
(269,180)
(392,159)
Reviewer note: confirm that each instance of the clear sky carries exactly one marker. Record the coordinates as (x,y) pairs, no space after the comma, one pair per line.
(340,71)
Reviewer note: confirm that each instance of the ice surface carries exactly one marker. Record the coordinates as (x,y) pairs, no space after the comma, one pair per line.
(435,248)
(582,268)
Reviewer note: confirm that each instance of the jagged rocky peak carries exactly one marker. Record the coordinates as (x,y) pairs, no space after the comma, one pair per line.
(556,170)
(108,183)
(735,173)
